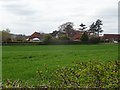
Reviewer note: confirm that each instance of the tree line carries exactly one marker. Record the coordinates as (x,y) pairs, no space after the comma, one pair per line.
(65,32)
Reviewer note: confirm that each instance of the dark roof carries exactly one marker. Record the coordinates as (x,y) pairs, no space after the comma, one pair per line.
(111,35)
(77,35)
(35,35)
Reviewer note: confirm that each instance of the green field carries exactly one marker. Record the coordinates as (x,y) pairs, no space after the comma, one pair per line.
(22,62)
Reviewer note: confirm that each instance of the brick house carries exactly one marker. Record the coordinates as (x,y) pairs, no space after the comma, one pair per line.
(111,37)
(77,35)
(35,37)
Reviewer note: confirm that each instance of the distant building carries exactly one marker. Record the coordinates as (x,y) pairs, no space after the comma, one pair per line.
(111,37)
(36,37)
(77,35)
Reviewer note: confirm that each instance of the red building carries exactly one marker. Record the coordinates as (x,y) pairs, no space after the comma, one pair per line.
(36,36)
(111,37)
(77,35)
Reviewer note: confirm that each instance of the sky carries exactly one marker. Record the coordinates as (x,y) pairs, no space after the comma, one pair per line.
(28,16)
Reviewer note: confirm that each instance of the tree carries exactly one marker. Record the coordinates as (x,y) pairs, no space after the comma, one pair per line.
(82,27)
(54,33)
(98,26)
(95,28)
(92,28)
(47,38)
(20,38)
(6,36)
(94,40)
(67,28)
(63,37)
(84,37)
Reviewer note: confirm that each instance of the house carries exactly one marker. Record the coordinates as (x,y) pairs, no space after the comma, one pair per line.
(77,35)
(111,37)
(36,37)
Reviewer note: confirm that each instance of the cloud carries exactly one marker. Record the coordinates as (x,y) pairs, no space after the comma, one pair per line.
(8,0)
(110,16)
(110,12)
(18,7)
(27,16)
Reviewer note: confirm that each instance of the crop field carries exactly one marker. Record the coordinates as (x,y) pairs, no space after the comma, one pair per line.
(22,62)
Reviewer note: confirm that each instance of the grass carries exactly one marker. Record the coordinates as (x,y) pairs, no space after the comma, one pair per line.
(22,62)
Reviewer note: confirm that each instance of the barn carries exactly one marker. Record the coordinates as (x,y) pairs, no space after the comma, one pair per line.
(36,37)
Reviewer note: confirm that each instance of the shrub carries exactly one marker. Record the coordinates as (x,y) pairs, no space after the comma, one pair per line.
(86,75)
(84,37)
(92,74)
(47,38)
(94,40)
(63,37)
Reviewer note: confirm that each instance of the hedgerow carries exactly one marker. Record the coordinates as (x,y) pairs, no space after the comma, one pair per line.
(92,74)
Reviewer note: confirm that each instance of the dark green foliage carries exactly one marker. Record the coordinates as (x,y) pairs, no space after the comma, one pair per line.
(83,27)
(94,40)
(54,33)
(87,75)
(47,38)
(84,37)
(63,37)
(96,27)
(81,75)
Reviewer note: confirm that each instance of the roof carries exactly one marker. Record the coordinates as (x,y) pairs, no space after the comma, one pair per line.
(77,35)
(35,35)
(112,35)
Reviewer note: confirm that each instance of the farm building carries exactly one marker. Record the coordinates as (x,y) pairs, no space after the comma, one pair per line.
(111,37)
(36,37)
(77,35)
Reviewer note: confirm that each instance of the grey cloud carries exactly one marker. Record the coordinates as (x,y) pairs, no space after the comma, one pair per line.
(19,9)
(109,16)
(8,0)
(108,13)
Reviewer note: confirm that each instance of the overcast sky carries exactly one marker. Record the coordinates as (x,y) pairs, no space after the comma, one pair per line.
(28,16)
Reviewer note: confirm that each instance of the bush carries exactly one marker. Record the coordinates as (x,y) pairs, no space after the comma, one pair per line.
(92,74)
(94,40)
(63,37)
(84,37)
(47,38)
(86,75)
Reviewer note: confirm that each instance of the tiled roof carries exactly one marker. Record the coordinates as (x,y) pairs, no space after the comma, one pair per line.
(112,35)
(77,35)
(35,35)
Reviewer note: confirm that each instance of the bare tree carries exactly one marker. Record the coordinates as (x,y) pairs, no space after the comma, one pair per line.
(67,28)
(6,36)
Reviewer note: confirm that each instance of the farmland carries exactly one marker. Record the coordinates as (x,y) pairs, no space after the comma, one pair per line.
(22,62)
